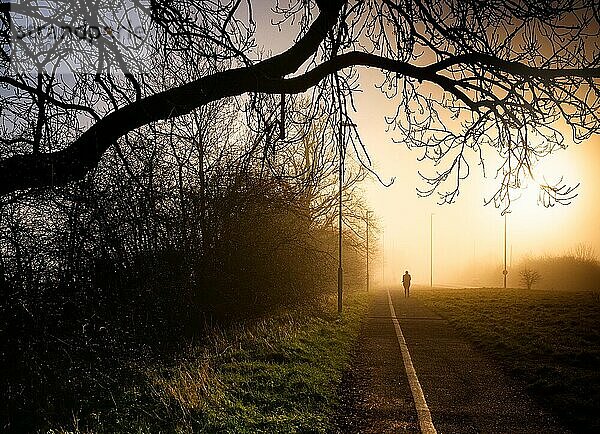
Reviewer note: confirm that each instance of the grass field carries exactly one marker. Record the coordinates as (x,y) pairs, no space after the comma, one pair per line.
(550,340)
(280,375)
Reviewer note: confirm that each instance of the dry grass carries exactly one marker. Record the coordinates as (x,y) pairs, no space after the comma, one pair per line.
(190,385)
(277,375)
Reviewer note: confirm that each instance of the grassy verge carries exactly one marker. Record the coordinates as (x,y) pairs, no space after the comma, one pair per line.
(280,375)
(548,339)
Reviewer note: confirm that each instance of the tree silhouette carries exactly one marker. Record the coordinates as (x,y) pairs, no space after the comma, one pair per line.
(468,76)
(529,277)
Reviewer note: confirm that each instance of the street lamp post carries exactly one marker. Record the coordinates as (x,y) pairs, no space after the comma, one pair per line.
(340,269)
(383,258)
(505,271)
(341,182)
(368,251)
(431,250)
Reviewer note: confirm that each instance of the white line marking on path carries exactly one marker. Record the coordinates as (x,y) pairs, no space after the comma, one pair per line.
(423,413)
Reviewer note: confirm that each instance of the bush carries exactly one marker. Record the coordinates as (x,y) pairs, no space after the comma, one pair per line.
(564,272)
(529,277)
(101,285)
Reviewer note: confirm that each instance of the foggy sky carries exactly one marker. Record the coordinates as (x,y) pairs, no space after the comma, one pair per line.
(465,233)
(468,232)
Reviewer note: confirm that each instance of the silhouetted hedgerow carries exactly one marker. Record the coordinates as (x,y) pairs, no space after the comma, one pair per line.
(120,271)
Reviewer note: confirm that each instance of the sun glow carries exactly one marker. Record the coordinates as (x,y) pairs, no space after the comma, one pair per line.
(530,202)
(472,232)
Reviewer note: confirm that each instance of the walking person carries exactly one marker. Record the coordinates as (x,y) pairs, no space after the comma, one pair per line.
(406,283)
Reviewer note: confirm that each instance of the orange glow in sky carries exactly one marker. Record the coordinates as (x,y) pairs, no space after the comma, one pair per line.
(467,232)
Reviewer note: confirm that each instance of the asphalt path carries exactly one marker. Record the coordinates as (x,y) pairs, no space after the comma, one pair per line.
(463,390)
(376,394)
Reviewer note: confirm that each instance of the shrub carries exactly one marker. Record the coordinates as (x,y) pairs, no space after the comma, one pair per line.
(529,277)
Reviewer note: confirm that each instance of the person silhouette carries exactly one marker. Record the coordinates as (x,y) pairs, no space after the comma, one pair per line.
(406,283)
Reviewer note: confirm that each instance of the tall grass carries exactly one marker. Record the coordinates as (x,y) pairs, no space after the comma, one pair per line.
(280,374)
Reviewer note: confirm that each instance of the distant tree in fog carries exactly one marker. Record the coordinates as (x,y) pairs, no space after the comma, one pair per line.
(529,277)
(584,252)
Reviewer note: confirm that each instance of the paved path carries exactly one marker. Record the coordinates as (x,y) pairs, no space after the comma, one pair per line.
(465,392)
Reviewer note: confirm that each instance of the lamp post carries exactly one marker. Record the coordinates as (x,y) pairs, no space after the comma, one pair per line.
(383,258)
(341,182)
(505,271)
(340,269)
(368,250)
(431,250)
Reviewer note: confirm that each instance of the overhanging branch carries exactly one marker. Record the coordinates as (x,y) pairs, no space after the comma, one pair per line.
(73,162)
